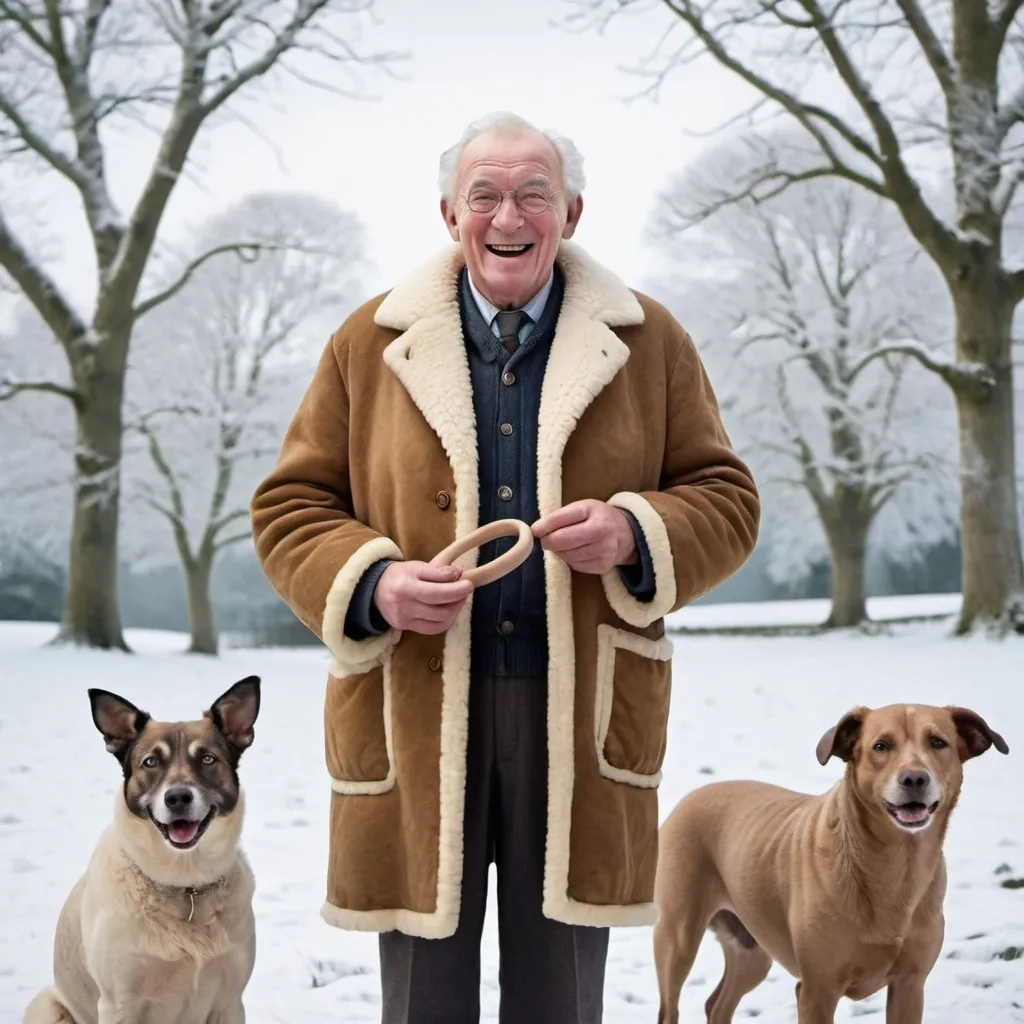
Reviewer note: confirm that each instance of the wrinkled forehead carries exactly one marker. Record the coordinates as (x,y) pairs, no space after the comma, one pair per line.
(908,721)
(509,158)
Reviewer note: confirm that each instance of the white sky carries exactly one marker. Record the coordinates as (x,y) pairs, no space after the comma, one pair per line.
(379,158)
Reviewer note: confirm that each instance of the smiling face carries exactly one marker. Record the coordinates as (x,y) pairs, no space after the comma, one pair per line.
(510,251)
(906,760)
(180,776)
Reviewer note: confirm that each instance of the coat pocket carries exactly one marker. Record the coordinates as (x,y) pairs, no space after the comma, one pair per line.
(357,731)
(634,680)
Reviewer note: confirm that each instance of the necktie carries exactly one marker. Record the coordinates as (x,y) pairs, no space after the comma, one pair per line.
(510,323)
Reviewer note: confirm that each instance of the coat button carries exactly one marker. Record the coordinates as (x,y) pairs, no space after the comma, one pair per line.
(505,492)
(435,664)
(506,628)
(443,499)
(506,429)
(508,378)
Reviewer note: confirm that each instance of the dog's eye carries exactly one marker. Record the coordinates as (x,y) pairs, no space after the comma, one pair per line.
(150,762)
(881,746)
(938,743)
(208,759)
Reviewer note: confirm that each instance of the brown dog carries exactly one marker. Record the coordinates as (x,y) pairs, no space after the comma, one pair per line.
(844,890)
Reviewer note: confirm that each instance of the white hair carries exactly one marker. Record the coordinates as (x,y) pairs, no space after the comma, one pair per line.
(570,157)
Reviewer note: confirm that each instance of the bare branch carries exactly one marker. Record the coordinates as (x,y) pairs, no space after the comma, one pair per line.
(1017,285)
(926,227)
(973,378)
(285,40)
(1007,14)
(234,538)
(59,161)
(930,43)
(1009,114)
(248,252)
(1010,178)
(40,289)
(9,388)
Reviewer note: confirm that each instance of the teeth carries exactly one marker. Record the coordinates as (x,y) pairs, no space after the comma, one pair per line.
(509,248)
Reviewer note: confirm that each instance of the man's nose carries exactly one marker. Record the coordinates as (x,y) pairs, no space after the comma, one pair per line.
(507,216)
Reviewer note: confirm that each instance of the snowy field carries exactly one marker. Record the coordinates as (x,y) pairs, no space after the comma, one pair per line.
(743,707)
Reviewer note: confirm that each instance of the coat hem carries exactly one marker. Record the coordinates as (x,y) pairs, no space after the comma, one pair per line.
(409,922)
(600,915)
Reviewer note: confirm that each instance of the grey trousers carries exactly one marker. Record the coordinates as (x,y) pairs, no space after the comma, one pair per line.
(550,973)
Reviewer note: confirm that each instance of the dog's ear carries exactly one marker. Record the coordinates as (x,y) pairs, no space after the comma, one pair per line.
(840,740)
(120,721)
(234,712)
(974,734)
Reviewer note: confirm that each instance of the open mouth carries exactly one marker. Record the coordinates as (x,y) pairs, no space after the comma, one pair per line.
(509,251)
(911,815)
(183,833)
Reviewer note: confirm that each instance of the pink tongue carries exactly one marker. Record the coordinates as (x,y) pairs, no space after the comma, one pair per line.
(912,814)
(183,831)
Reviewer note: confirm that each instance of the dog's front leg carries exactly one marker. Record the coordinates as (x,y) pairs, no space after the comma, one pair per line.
(233,1014)
(905,1001)
(816,1003)
(111,1011)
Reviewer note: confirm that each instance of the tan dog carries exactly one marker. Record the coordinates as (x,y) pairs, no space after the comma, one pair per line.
(844,890)
(160,928)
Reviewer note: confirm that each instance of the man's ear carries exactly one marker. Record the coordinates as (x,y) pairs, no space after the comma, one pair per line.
(572,218)
(841,739)
(450,221)
(120,721)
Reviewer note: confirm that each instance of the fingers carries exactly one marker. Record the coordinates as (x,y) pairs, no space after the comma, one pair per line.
(569,538)
(568,515)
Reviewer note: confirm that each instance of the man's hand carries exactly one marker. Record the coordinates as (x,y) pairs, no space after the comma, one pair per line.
(589,536)
(421,597)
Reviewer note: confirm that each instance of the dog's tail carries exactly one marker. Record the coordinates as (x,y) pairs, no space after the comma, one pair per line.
(47,1008)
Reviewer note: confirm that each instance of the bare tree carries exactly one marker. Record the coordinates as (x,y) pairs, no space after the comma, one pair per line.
(882,93)
(215,375)
(795,297)
(73,72)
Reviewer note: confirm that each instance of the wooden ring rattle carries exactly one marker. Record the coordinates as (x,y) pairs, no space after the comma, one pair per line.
(498,567)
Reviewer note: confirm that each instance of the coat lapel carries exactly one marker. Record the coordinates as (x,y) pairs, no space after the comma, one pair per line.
(429,358)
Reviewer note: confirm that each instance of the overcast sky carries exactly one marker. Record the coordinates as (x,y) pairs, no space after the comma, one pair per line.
(379,158)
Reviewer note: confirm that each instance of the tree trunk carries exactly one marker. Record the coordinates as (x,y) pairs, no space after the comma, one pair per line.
(847,543)
(91,615)
(993,578)
(201,624)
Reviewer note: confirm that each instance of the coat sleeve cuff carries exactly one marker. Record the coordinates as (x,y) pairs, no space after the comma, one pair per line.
(362,618)
(643,611)
(357,655)
(638,577)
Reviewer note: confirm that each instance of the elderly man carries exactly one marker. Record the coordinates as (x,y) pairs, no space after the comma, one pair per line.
(523,724)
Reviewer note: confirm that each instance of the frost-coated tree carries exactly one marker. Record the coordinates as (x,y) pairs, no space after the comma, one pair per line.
(887,94)
(793,300)
(215,376)
(73,75)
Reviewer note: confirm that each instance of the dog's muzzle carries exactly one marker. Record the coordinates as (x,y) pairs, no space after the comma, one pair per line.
(181,815)
(911,799)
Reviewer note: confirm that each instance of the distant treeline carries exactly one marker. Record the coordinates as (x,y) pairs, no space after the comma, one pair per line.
(249,611)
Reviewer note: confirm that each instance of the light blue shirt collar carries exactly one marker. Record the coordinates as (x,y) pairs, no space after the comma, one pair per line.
(533,309)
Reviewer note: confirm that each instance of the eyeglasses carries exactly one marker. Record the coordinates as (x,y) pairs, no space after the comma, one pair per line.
(529,199)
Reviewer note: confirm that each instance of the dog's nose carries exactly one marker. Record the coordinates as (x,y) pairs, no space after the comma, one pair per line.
(178,798)
(914,780)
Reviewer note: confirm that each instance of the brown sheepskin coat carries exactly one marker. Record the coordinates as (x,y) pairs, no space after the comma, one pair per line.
(381,462)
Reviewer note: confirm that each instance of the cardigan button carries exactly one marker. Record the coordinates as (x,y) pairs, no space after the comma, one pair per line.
(443,499)
(505,492)
(506,429)
(435,664)
(508,378)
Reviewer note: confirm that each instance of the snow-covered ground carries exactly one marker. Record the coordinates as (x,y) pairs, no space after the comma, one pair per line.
(743,707)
